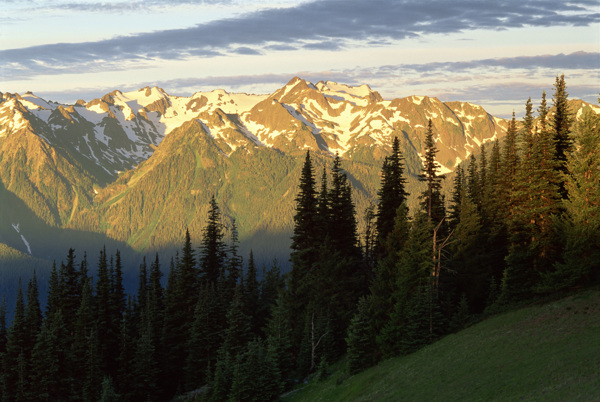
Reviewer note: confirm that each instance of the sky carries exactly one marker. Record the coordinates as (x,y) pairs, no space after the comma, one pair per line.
(492,53)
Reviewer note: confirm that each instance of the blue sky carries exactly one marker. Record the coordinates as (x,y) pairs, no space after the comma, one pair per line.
(494,53)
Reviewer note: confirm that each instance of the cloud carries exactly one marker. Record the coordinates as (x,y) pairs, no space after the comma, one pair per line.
(577,60)
(323,24)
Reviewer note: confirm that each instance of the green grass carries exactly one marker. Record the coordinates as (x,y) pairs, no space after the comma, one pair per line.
(547,352)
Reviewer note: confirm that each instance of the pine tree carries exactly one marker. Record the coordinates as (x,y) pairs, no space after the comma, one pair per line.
(385,282)
(392,191)
(145,364)
(103,287)
(33,314)
(580,224)
(304,247)
(251,292)
(85,348)
(343,233)
(52,360)
(279,338)
(238,331)
(15,379)
(457,196)
(561,125)
(534,200)
(471,275)
(205,337)
(142,285)
(361,340)
(53,303)
(125,379)
(431,199)
(212,249)
(472,181)
(415,267)
(70,285)
(234,263)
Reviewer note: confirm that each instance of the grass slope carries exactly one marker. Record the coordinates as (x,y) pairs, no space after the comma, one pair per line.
(547,352)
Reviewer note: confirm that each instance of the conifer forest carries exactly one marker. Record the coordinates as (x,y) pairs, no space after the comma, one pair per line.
(522,222)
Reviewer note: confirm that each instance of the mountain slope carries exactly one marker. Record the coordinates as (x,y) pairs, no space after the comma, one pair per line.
(548,352)
(139,167)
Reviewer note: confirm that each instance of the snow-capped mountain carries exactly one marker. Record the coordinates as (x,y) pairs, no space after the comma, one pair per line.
(135,169)
(120,130)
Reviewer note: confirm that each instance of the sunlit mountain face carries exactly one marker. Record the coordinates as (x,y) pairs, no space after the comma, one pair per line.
(135,169)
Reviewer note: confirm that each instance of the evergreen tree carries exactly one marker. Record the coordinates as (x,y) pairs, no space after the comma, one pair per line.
(279,338)
(156,302)
(103,299)
(142,285)
(252,296)
(304,247)
(15,379)
(53,303)
(52,360)
(534,200)
(85,348)
(561,125)
(471,275)
(431,199)
(457,196)
(323,212)
(343,234)
(127,347)
(33,315)
(384,285)
(472,181)
(238,331)
(392,192)
(212,249)
(234,263)
(415,267)
(145,364)
(205,337)
(361,340)
(70,289)
(580,224)
(270,288)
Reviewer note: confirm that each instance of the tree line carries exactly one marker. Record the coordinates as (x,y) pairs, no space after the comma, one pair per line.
(523,221)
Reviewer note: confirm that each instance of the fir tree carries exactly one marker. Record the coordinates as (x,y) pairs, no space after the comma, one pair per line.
(15,361)
(431,199)
(561,125)
(252,295)
(392,191)
(85,348)
(212,249)
(580,223)
(234,263)
(361,340)
(52,360)
(279,338)
(205,336)
(238,331)
(457,196)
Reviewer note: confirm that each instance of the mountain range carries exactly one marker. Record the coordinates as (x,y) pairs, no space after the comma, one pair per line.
(133,170)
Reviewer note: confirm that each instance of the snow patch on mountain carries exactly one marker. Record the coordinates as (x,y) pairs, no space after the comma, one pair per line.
(17,228)
(26,244)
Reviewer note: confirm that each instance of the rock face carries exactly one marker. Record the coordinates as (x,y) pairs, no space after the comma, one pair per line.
(138,168)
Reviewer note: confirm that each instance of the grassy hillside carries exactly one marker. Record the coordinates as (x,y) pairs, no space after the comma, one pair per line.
(547,352)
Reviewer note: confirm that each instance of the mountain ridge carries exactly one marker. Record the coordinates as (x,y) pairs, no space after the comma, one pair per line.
(139,167)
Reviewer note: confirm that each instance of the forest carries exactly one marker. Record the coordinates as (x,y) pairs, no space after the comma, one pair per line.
(522,223)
